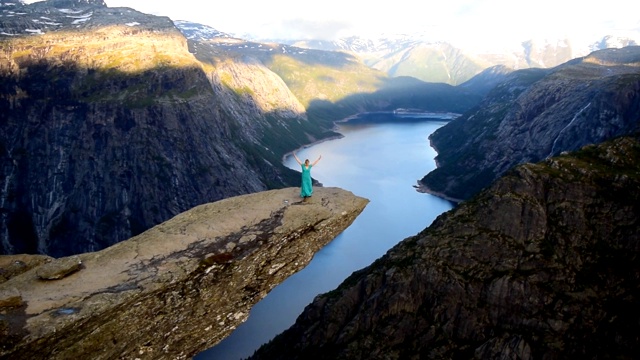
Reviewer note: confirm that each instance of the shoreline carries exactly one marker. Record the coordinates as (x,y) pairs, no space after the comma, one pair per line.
(284,156)
(405,114)
(435,116)
(421,188)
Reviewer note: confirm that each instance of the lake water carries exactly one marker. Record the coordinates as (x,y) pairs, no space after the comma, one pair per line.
(380,160)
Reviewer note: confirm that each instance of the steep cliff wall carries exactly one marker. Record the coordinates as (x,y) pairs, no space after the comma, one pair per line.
(536,114)
(109,126)
(544,264)
(174,290)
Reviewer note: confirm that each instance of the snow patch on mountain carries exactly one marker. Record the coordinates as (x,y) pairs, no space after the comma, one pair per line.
(199,32)
(70,11)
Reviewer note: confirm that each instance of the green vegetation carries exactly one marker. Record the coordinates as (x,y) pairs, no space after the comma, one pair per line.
(99,66)
(102,49)
(310,82)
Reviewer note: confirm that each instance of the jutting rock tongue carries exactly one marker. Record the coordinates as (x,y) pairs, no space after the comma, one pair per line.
(174,290)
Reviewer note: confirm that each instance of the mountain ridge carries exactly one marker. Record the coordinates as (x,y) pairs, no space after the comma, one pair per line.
(438,61)
(454,65)
(534,114)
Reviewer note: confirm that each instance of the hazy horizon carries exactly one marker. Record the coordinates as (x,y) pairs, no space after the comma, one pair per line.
(464,22)
(479,24)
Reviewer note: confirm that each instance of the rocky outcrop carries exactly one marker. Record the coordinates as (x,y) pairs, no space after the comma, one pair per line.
(536,114)
(14,265)
(175,289)
(544,264)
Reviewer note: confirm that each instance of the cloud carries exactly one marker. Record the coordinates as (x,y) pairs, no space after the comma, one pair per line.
(457,21)
(305,29)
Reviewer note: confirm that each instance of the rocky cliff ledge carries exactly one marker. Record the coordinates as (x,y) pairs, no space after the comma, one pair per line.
(173,290)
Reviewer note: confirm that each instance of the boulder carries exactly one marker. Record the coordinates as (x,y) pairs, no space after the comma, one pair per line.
(59,268)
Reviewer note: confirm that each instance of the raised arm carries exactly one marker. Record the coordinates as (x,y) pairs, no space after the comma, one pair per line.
(315,162)
(298,160)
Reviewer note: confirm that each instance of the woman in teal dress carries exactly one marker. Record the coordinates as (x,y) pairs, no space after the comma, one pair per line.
(306,188)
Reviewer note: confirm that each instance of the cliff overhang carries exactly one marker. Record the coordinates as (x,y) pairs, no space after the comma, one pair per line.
(175,289)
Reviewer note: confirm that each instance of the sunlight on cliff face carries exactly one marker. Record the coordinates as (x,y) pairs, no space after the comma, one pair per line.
(311,81)
(121,48)
(253,82)
(614,57)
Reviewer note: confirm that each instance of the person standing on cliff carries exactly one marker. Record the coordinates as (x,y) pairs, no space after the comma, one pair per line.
(306,188)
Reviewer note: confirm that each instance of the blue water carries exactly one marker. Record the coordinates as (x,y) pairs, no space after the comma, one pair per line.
(381,162)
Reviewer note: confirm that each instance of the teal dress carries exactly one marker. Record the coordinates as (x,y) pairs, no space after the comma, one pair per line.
(306,189)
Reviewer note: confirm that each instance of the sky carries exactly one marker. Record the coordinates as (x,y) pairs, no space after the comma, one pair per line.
(461,22)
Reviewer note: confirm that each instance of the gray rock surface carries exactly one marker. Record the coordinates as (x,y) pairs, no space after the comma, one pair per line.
(177,288)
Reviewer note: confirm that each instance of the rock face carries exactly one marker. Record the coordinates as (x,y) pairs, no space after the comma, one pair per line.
(175,289)
(536,114)
(109,126)
(544,264)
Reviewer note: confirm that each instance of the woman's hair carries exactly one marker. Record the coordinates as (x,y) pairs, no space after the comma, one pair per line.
(306,160)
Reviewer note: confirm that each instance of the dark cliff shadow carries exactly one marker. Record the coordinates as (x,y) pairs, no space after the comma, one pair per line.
(92,157)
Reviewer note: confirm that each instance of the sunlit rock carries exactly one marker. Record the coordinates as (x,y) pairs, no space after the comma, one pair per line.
(175,289)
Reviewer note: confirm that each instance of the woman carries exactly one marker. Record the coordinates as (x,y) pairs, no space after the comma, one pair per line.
(306,189)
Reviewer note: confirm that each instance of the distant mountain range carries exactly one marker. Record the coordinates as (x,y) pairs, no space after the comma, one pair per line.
(411,55)
(408,55)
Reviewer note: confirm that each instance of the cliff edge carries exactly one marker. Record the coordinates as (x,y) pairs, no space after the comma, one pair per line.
(173,290)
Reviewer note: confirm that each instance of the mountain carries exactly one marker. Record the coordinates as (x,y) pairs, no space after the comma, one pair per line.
(544,264)
(611,41)
(109,126)
(535,114)
(112,121)
(438,61)
(199,32)
(486,80)
(407,56)
(331,84)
